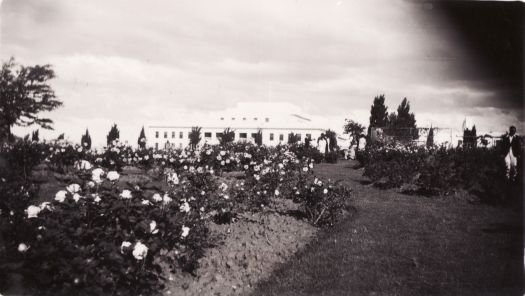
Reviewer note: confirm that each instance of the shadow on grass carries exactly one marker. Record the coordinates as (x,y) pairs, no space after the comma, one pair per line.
(348,259)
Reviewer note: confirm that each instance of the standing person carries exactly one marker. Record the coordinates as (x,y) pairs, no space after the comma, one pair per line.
(512,150)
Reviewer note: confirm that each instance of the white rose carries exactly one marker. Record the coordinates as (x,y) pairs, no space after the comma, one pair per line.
(166,199)
(22,248)
(113,176)
(276,192)
(61,196)
(32,211)
(45,205)
(124,245)
(97,198)
(73,188)
(153,227)
(126,194)
(76,197)
(91,184)
(305,169)
(140,251)
(95,175)
(185,207)
(157,198)
(325,191)
(185,231)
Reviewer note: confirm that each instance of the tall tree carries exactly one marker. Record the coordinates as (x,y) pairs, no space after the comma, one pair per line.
(332,137)
(85,141)
(142,139)
(378,112)
(258,138)
(24,93)
(35,137)
(353,128)
(227,136)
(114,134)
(293,138)
(195,137)
(470,139)
(430,137)
(403,124)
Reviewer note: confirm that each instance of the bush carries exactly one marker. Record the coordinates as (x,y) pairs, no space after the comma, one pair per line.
(331,157)
(77,244)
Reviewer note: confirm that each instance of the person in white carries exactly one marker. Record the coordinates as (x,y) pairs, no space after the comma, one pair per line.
(512,151)
(362,143)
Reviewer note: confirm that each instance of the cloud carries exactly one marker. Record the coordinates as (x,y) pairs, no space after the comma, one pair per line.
(132,62)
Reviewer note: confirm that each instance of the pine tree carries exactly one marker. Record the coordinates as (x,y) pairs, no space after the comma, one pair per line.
(332,136)
(35,137)
(378,112)
(114,134)
(403,123)
(61,137)
(85,141)
(430,138)
(142,139)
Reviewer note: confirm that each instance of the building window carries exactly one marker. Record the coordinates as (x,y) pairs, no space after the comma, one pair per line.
(222,118)
(244,118)
(172,135)
(180,135)
(309,136)
(156,146)
(299,136)
(157,134)
(165,135)
(271,136)
(281,137)
(267,119)
(207,135)
(233,118)
(255,118)
(254,135)
(243,135)
(189,133)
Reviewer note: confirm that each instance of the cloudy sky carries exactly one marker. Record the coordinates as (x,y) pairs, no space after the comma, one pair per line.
(136,62)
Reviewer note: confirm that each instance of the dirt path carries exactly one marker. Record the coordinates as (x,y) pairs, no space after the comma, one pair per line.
(406,245)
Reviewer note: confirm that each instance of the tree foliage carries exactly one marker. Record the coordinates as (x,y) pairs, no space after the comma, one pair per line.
(403,124)
(293,138)
(430,137)
(24,93)
(258,138)
(195,137)
(378,112)
(35,137)
(114,134)
(142,139)
(470,138)
(227,136)
(85,141)
(353,128)
(332,139)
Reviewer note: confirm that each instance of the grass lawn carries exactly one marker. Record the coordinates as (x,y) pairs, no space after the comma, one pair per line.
(397,244)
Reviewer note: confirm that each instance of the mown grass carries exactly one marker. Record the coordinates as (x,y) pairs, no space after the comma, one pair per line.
(397,244)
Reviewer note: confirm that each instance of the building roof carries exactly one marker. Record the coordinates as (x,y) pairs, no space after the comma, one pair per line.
(250,115)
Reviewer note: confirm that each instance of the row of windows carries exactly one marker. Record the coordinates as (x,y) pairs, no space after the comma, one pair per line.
(255,119)
(208,135)
(181,135)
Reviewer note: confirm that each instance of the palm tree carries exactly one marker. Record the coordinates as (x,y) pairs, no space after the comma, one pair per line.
(195,137)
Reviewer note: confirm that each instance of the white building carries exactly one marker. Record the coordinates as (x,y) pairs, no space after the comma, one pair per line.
(275,120)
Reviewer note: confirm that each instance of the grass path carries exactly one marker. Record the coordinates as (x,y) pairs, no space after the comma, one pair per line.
(406,245)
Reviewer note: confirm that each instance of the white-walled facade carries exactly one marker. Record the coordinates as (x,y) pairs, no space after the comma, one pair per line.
(275,120)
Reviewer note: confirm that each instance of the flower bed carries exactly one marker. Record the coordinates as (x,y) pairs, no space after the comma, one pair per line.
(413,169)
(106,233)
